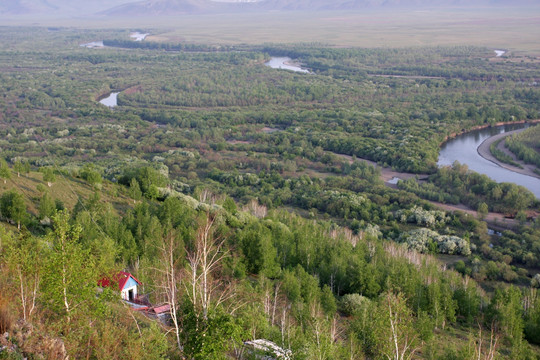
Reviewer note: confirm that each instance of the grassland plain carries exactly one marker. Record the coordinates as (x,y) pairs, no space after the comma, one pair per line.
(513,29)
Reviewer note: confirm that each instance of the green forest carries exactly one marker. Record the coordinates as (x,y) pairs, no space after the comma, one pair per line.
(253,202)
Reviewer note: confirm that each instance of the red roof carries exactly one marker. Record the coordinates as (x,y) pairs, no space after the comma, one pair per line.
(162,309)
(120,278)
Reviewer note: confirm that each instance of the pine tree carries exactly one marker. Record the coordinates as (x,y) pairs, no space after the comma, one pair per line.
(135,190)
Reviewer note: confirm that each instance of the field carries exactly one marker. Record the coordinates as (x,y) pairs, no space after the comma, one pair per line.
(503,28)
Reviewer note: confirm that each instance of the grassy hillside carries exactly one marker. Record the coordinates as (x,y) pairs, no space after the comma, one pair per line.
(65,188)
(272,260)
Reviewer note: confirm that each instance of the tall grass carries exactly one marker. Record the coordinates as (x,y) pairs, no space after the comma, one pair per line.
(6,318)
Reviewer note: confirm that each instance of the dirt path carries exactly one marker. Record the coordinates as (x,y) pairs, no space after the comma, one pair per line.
(483,151)
(495,220)
(387,174)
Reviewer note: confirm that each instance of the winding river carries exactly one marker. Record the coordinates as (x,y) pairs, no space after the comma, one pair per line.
(137,36)
(464,147)
(93,44)
(284,63)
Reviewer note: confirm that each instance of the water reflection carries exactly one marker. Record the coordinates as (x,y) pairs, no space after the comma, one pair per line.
(284,63)
(464,149)
(111,100)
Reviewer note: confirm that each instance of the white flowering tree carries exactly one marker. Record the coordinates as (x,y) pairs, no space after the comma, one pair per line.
(425,240)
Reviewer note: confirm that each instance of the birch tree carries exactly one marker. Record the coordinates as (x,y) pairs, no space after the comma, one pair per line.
(12,206)
(170,277)
(48,175)
(203,260)
(25,262)
(208,329)
(18,167)
(5,172)
(399,333)
(69,281)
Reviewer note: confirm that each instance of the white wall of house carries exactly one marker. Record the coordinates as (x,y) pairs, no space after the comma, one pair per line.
(131,285)
(125,292)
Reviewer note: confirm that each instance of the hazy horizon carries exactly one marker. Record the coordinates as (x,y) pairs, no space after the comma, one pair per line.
(99,8)
(496,28)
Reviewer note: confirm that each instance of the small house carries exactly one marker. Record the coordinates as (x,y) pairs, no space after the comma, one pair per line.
(128,285)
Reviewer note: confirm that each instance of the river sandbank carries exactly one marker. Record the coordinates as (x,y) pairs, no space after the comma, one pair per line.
(484,151)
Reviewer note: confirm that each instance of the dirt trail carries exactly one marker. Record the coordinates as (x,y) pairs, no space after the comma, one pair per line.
(387,174)
(495,220)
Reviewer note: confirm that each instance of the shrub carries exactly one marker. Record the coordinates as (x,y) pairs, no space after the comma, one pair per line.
(535,282)
(352,303)
(425,241)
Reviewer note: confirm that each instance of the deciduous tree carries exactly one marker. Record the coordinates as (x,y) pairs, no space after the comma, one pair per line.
(12,206)
(25,259)
(5,172)
(69,283)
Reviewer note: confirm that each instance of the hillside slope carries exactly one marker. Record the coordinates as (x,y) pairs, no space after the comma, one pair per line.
(66,189)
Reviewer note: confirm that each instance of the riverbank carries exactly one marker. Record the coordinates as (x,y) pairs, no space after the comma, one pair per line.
(484,151)
(497,221)
(485,126)
(464,149)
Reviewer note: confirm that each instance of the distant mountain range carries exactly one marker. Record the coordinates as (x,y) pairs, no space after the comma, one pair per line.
(58,7)
(176,7)
(169,7)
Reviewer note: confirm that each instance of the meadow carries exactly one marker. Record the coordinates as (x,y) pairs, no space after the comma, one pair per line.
(513,29)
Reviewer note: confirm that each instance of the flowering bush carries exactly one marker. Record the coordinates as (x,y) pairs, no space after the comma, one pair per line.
(425,240)
(418,215)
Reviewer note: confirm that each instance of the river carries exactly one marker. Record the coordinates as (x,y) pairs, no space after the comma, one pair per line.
(137,36)
(93,44)
(111,100)
(464,147)
(284,63)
